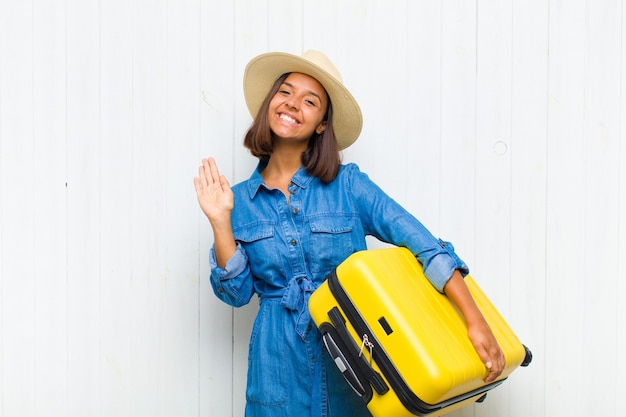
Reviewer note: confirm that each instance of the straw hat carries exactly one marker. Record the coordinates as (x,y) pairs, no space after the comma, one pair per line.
(262,71)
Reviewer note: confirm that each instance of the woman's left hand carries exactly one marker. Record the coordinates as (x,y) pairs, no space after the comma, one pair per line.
(488,350)
(478,329)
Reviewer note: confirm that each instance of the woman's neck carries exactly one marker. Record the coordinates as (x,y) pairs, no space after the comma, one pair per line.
(280,169)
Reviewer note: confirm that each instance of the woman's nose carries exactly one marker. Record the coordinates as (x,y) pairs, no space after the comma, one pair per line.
(291,103)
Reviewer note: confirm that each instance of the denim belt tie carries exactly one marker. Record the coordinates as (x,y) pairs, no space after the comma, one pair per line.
(296,299)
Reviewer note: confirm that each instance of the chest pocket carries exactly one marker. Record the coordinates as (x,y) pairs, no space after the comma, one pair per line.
(331,242)
(252,233)
(259,242)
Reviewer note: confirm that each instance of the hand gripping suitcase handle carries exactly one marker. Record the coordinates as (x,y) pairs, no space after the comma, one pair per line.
(364,368)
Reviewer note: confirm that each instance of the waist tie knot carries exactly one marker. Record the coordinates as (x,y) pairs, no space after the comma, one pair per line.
(295,299)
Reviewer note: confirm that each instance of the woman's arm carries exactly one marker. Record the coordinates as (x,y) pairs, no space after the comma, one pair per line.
(216,200)
(479,331)
(231,278)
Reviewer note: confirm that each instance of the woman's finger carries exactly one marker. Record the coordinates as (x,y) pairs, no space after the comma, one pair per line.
(214,172)
(201,176)
(206,172)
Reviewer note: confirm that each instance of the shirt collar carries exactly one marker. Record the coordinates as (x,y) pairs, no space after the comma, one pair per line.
(301,178)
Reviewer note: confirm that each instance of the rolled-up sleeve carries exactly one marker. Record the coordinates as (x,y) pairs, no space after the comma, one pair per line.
(439,268)
(234,283)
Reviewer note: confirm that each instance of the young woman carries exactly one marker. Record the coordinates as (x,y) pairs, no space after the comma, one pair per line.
(300,214)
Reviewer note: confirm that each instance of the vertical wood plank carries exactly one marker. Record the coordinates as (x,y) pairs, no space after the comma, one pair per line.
(17,265)
(83,208)
(217,139)
(148,205)
(180,332)
(620,345)
(599,262)
(2,284)
(2,196)
(50,222)
(565,209)
(115,158)
(528,200)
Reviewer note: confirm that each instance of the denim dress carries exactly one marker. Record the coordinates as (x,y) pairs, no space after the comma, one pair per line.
(285,249)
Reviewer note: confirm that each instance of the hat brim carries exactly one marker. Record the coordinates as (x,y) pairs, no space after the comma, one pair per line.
(262,71)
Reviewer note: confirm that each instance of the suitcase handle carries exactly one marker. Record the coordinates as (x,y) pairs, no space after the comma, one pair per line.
(363,367)
(336,348)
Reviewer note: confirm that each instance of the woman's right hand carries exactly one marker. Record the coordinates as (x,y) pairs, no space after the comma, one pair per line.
(214,193)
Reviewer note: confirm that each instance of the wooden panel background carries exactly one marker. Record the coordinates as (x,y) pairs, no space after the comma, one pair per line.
(500,124)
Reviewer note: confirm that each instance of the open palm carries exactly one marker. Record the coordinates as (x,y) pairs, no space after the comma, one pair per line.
(214,193)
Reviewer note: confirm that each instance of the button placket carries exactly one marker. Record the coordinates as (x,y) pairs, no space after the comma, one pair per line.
(292,232)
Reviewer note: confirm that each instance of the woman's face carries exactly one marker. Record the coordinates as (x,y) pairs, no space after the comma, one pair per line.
(297,109)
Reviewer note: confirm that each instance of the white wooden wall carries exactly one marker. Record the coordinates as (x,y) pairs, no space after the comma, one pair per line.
(499,123)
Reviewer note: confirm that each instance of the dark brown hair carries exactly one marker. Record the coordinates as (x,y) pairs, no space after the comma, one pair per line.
(321,159)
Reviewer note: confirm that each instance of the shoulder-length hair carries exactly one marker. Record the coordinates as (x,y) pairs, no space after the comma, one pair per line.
(321,159)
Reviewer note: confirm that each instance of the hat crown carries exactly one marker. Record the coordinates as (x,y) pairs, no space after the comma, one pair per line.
(321,60)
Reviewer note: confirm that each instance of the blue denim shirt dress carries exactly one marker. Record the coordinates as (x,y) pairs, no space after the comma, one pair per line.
(285,249)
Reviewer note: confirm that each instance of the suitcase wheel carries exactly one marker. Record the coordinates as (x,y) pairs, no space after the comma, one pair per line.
(528,358)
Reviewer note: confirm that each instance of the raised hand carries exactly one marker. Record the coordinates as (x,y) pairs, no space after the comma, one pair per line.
(214,193)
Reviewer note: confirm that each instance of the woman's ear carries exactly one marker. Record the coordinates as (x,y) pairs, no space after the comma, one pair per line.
(320,128)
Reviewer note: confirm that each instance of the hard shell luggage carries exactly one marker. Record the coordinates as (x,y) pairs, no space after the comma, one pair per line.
(400,344)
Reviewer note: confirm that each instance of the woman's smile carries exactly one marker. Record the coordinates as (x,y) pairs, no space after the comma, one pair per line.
(290,120)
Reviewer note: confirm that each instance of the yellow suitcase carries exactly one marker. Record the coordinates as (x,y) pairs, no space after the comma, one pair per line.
(400,344)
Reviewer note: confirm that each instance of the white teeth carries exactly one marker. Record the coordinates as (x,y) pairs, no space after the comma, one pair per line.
(288,119)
